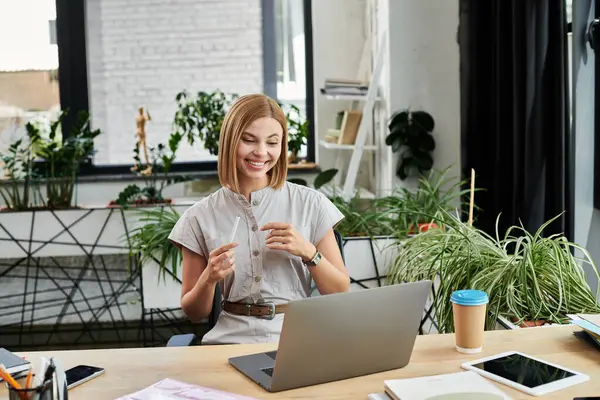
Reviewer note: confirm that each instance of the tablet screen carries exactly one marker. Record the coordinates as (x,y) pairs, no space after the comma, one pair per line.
(523,370)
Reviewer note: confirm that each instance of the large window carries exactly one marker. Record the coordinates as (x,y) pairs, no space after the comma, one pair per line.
(29,87)
(290,53)
(118,56)
(143,53)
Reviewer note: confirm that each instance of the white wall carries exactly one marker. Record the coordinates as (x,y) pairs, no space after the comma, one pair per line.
(143,52)
(339,34)
(423,69)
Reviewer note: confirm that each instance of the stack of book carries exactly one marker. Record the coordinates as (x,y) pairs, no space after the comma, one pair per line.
(12,363)
(350,87)
(590,324)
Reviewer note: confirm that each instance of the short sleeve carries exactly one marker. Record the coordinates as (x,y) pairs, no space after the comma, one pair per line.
(187,233)
(327,216)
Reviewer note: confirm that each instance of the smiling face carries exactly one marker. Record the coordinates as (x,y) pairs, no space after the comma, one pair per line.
(258,150)
(253,145)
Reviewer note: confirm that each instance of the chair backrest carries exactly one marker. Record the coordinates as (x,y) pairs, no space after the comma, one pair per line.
(340,242)
(216,307)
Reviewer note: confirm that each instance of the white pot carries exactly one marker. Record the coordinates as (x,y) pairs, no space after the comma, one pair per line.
(75,232)
(160,292)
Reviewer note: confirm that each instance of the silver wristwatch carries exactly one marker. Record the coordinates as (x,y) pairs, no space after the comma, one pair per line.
(315,260)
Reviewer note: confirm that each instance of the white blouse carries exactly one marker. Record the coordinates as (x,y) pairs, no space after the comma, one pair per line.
(260,274)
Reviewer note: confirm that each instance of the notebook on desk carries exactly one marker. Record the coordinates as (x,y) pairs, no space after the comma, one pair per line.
(466,385)
(13,364)
(590,323)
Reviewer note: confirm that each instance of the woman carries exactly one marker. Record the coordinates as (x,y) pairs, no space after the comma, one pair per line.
(283,241)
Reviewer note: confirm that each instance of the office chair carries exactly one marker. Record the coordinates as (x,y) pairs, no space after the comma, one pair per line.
(190,339)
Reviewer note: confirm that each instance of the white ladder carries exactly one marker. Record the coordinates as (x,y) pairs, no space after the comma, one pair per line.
(366,125)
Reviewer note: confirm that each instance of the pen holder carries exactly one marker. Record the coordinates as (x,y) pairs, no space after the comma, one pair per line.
(44,391)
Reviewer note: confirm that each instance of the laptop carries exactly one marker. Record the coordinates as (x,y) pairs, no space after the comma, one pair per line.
(340,336)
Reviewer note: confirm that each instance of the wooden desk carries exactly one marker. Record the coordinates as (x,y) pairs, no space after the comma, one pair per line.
(128,370)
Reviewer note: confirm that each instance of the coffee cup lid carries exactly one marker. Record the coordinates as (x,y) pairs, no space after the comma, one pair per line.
(469,297)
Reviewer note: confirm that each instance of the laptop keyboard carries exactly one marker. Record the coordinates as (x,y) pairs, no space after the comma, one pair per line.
(268,371)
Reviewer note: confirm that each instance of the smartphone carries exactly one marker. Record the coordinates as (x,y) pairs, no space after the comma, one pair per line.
(80,374)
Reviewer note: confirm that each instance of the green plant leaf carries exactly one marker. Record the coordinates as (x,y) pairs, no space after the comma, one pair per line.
(423,161)
(298,181)
(424,120)
(409,135)
(149,242)
(392,137)
(399,121)
(325,177)
(404,167)
(425,143)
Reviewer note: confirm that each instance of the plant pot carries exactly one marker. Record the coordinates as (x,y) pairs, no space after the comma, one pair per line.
(530,324)
(293,157)
(423,227)
(141,203)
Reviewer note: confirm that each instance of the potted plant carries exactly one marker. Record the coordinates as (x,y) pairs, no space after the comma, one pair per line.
(410,134)
(18,163)
(41,215)
(527,277)
(200,117)
(62,159)
(297,132)
(155,175)
(159,260)
(47,160)
(148,242)
(407,211)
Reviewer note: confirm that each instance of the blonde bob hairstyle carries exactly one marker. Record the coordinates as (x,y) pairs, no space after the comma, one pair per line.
(243,112)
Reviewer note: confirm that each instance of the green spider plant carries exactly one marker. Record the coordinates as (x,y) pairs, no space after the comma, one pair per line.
(527,277)
(360,218)
(149,242)
(435,195)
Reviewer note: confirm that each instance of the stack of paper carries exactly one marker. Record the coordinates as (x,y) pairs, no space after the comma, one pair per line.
(590,324)
(170,389)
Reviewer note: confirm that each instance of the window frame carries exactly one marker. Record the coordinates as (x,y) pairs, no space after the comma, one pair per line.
(74,89)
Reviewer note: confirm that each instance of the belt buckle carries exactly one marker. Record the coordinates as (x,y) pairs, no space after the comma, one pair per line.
(271,306)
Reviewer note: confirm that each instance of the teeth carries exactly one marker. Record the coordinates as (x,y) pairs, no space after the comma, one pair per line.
(257,164)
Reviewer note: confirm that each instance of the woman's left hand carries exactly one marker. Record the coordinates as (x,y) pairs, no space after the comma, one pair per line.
(285,237)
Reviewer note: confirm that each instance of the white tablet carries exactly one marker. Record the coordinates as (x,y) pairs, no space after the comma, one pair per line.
(525,373)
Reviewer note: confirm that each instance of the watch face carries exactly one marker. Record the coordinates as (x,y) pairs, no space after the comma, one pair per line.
(316,259)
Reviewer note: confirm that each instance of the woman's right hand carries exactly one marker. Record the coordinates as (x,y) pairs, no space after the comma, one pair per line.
(221,262)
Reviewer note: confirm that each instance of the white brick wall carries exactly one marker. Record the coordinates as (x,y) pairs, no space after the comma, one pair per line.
(143,52)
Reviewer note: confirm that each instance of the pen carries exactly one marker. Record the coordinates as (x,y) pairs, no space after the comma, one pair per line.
(235,226)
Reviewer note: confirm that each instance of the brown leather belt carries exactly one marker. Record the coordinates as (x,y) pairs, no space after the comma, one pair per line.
(265,310)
